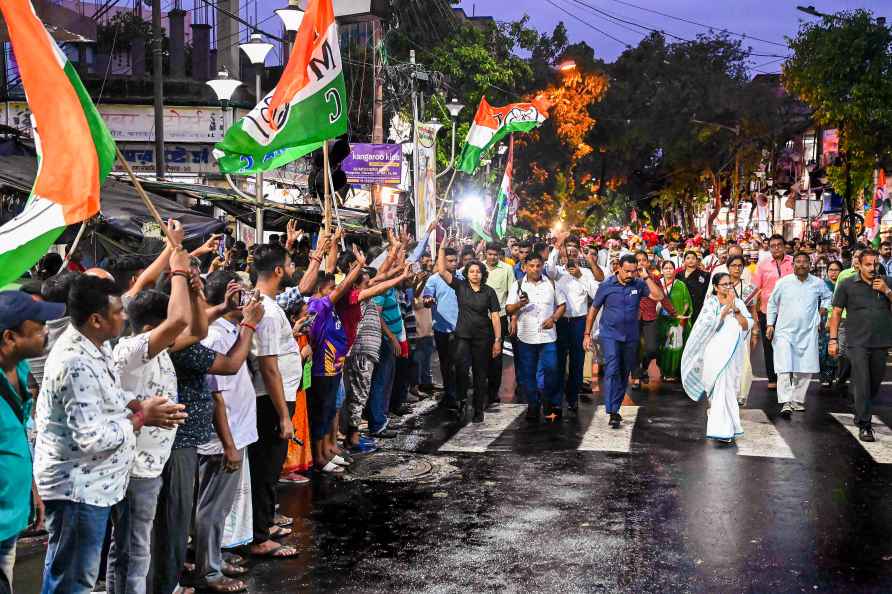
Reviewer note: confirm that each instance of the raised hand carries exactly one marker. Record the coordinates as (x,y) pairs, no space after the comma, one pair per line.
(175,233)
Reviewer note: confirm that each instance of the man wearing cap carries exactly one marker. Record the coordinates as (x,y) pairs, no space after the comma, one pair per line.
(23,334)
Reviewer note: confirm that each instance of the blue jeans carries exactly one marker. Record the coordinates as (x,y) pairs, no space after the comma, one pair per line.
(7,562)
(537,374)
(620,358)
(570,333)
(424,350)
(76,532)
(382,384)
(130,551)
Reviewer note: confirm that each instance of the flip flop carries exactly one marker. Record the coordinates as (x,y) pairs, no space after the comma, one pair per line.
(279,532)
(224,585)
(234,559)
(230,570)
(283,521)
(331,468)
(340,461)
(280,552)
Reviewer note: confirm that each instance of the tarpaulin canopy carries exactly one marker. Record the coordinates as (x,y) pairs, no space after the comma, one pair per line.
(120,206)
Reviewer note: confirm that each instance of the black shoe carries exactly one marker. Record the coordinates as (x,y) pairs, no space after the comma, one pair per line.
(866,433)
(478,417)
(532,413)
(492,406)
(615,420)
(573,409)
(587,398)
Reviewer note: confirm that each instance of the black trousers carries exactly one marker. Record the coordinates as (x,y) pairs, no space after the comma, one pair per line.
(767,350)
(445,342)
(478,353)
(173,519)
(649,349)
(266,456)
(495,367)
(868,369)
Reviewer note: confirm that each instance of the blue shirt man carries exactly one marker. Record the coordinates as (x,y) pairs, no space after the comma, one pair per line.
(22,336)
(445,318)
(446,306)
(619,296)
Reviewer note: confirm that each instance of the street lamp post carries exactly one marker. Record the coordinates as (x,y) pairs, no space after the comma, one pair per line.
(256,49)
(291,16)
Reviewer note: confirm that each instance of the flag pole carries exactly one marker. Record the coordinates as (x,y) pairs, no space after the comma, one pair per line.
(145,197)
(77,240)
(326,214)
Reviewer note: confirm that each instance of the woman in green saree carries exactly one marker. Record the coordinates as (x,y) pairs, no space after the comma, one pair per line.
(673,330)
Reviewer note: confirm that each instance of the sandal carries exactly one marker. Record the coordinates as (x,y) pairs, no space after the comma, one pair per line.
(224,585)
(283,521)
(279,532)
(331,468)
(280,552)
(234,559)
(340,461)
(230,570)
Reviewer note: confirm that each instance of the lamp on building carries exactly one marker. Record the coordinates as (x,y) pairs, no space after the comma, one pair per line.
(224,87)
(291,16)
(256,49)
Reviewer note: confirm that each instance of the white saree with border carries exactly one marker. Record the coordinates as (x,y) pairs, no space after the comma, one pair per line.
(713,365)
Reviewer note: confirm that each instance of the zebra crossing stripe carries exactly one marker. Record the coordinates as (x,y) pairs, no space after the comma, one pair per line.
(881,449)
(760,437)
(477,437)
(598,437)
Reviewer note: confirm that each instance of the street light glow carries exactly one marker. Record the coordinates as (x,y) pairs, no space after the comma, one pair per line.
(567,65)
(472,209)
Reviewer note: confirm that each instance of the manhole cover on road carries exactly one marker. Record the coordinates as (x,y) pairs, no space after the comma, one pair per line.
(400,467)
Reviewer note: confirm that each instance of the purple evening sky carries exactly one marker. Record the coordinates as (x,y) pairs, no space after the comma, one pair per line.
(770,20)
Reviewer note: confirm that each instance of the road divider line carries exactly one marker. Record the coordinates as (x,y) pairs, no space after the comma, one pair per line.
(881,449)
(599,437)
(760,437)
(477,437)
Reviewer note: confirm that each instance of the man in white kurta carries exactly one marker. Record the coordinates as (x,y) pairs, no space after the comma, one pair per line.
(794,317)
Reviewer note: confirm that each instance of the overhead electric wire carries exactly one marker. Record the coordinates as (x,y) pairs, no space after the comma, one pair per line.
(589,25)
(650,28)
(690,22)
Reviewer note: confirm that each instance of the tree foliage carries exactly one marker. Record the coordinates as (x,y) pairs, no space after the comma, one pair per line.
(842,69)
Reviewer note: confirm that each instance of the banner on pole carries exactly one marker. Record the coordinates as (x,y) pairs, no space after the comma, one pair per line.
(425,176)
(373,164)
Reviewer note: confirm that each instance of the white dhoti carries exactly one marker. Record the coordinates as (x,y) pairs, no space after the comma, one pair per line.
(792,386)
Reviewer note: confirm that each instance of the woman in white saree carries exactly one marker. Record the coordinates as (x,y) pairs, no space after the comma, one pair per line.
(713,362)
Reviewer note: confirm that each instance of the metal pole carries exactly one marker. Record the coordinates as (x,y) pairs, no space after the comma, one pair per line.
(378,107)
(158,92)
(258,182)
(326,212)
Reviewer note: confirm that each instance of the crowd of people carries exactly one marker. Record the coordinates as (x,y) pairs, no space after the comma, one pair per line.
(155,406)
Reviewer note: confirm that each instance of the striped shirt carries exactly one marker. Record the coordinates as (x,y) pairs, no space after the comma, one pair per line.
(368,332)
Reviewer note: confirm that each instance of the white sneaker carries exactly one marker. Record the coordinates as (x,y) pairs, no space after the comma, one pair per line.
(798,406)
(786,410)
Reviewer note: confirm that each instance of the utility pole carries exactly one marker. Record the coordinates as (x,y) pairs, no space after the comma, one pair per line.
(158,83)
(377,69)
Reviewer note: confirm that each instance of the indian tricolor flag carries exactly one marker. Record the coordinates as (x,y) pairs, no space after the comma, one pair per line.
(307,107)
(491,124)
(74,148)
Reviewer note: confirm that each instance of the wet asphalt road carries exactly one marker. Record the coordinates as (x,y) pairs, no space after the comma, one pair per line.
(532,513)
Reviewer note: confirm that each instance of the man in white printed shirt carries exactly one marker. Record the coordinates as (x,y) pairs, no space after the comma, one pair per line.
(538,306)
(145,369)
(86,436)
